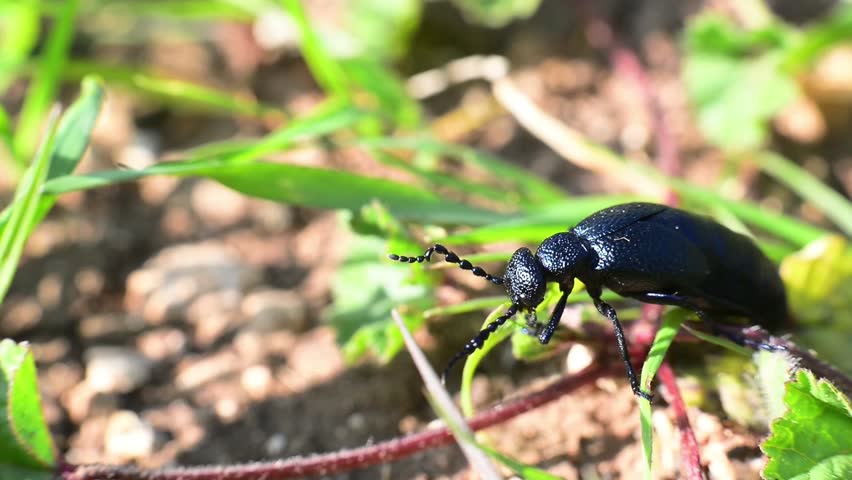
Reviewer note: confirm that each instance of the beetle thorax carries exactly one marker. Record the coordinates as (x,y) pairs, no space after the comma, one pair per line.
(564,256)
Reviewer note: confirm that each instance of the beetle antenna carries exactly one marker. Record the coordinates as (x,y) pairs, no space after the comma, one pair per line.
(449,257)
(476,342)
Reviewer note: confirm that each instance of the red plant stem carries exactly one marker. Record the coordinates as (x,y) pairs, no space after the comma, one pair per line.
(688,445)
(340,461)
(625,61)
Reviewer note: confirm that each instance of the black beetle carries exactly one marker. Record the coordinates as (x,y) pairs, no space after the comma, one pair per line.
(653,253)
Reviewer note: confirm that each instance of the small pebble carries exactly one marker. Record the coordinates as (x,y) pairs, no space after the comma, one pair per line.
(115,369)
(128,437)
(272,310)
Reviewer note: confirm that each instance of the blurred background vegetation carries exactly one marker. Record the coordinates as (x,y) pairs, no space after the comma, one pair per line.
(174,308)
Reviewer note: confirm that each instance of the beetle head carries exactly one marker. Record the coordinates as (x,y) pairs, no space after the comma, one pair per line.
(524,279)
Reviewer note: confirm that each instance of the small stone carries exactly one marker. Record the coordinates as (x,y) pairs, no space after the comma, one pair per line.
(273,29)
(162,343)
(276,444)
(115,369)
(128,437)
(256,380)
(110,326)
(194,372)
(78,401)
(218,205)
(578,358)
(227,409)
(273,310)
(169,282)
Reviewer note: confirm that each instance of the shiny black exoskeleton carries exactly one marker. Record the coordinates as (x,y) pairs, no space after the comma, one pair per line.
(653,253)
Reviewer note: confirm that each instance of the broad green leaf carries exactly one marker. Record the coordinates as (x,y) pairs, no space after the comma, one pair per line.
(23,212)
(496,13)
(669,327)
(819,290)
(24,473)
(819,282)
(367,286)
(25,441)
(42,91)
(712,33)
(838,467)
(734,111)
(735,79)
(71,141)
(816,428)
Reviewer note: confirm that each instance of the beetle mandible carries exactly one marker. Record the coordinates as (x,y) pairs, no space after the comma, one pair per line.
(649,252)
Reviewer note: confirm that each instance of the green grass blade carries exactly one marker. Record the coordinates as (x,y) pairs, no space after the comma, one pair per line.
(787,228)
(389,92)
(326,70)
(672,321)
(333,189)
(172,92)
(834,205)
(473,360)
(531,187)
(312,187)
(538,225)
(72,139)
(719,341)
(7,143)
(440,180)
(441,402)
(23,211)
(239,11)
(45,82)
(329,117)
(20,26)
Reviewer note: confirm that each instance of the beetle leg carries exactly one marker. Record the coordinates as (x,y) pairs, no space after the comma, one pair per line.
(476,342)
(740,336)
(550,328)
(606,310)
(665,299)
